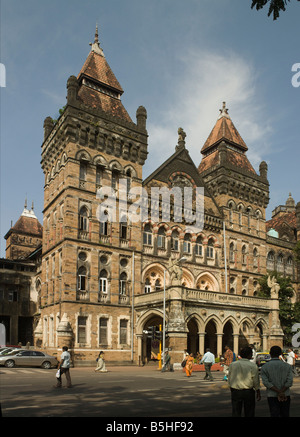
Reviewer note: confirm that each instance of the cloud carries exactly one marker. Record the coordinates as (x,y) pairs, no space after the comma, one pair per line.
(206,80)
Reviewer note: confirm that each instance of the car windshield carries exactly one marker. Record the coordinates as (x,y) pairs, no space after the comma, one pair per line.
(13,352)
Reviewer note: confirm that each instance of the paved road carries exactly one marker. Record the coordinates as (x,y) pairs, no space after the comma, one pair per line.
(122,392)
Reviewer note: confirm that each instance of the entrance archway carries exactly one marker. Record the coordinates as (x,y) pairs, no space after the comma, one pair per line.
(192,337)
(227,336)
(151,346)
(210,340)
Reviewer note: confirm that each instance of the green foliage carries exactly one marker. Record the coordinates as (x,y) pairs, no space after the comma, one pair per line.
(288,313)
(297,251)
(276,6)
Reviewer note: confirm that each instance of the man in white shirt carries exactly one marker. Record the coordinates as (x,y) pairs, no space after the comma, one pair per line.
(243,380)
(291,360)
(208,359)
(64,367)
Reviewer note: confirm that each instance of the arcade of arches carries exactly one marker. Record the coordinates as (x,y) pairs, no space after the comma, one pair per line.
(199,336)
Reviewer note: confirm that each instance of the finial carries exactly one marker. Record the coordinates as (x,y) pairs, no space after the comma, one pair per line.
(224,111)
(96,45)
(181,138)
(25,205)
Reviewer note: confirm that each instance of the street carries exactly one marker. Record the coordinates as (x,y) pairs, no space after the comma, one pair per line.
(122,392)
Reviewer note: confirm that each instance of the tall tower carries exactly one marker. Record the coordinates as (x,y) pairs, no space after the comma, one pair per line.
(88,267)
(243,196)
(25,236)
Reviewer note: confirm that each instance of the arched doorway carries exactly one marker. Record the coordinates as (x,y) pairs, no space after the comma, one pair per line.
(227,339)
(192,337)
(151,346)
(210,340)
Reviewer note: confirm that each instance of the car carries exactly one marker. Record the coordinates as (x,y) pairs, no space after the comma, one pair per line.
(31,358)
(7,350)
(262,358)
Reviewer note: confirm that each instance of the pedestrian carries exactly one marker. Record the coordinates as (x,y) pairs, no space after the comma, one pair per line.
(228,359)
(291,360)
(277,377)
(64,368)
(101,367)
(208,359)
(198,357)
(189,365)
(243,380)
(167,366)
(253,358)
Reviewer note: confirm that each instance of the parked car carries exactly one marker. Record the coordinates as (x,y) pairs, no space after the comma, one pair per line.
(29,358)
(7,350)
(262,358)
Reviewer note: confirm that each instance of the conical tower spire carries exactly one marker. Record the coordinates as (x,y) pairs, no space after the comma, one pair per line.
(96,44)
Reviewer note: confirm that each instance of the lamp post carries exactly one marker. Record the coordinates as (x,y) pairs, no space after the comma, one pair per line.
(180,261)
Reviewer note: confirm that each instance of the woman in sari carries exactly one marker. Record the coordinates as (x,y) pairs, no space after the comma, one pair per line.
(189,365)
(101,363)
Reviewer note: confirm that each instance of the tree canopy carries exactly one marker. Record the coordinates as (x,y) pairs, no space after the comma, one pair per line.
(288,313)
(276,6)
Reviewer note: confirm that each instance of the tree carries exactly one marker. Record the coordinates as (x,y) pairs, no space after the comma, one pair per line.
(275,6)
(288,312)
(297,251)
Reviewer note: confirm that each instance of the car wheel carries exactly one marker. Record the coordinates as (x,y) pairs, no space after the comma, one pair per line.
(46,365)
(9,363)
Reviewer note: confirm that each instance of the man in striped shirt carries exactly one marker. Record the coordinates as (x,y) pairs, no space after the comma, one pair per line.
(277,377)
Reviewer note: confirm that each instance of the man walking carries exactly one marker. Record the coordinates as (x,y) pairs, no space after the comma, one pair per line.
(228,359)
(208,359)
(243,380)
(64,367)
(291,360)
(277,377)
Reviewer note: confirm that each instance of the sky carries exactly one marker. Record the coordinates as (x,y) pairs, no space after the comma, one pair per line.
(178,59)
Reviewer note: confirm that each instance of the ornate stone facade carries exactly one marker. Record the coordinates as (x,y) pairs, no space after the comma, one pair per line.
(104,284)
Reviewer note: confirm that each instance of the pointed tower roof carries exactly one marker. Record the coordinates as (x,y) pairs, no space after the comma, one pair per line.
(98,86)
(224,130)
(224,140)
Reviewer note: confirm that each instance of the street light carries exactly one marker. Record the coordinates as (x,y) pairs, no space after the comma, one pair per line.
(180,261)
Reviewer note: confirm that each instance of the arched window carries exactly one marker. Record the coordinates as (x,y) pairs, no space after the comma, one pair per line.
(210,248)
(187,243)
(244,254)
(175,241)
(199,246)
(83,171)
(83,219)
(231,252)
(82,279)
(255,257)
(103,282)
(161,238)
(147,235)
(123,283)
(147,286)
(157,285)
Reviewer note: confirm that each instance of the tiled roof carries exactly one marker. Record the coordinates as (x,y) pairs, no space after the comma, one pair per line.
(225,130)
(28,225)
(277,222)
(97,68)
(97,100)
(99,88)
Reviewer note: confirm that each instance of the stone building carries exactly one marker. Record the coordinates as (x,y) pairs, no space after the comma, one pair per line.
(107,280)
(20,278)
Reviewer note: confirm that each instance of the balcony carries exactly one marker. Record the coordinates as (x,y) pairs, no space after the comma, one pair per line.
(201,297)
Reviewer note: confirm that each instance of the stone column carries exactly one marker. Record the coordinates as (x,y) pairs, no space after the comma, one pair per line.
(64,333)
